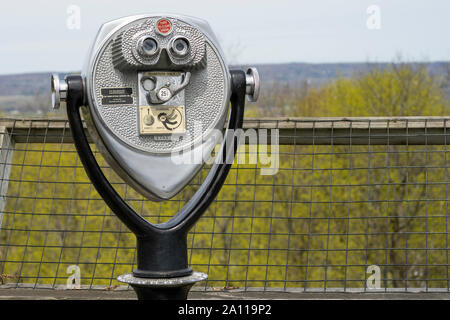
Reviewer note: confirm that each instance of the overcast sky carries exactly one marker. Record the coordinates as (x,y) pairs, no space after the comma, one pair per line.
(43,35)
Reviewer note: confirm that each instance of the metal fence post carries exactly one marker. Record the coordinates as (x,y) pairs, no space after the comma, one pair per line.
(6,155)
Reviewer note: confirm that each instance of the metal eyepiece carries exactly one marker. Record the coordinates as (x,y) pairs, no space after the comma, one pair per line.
(59,91)
(147,46)
(180,47)
(252,84)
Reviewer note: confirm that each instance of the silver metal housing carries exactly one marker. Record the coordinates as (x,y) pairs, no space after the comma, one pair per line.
(144,162)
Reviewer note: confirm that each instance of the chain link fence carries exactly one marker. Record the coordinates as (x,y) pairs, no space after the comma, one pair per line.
(355,204)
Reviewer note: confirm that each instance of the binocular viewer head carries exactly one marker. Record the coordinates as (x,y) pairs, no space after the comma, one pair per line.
(155,88)
(164,43)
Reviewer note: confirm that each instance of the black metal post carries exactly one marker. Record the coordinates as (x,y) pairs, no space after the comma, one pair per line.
(162,264)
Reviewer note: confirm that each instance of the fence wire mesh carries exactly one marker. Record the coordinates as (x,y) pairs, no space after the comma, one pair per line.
(354,201)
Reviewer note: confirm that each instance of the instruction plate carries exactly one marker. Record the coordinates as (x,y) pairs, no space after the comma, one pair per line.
(162,119)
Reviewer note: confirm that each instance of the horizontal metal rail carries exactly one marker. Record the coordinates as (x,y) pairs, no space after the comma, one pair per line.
(299,131)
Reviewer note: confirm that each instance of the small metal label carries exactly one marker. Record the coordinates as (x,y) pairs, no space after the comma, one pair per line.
(116,91)
(117,100)
(117,96)
(162,119)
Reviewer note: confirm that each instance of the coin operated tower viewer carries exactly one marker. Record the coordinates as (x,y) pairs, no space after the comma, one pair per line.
(156,87)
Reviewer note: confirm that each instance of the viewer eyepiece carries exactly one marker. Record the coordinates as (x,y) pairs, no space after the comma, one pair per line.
(148,46)
(180,47)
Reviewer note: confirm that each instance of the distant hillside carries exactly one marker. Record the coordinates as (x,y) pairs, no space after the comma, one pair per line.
(295,73)
(31,92)
(24,84)
(25,93)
